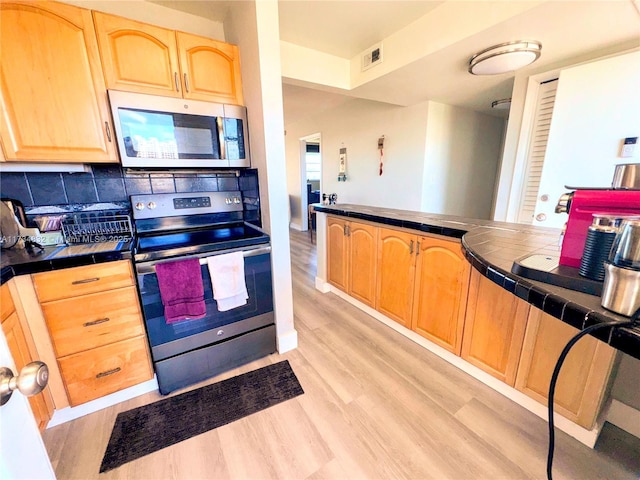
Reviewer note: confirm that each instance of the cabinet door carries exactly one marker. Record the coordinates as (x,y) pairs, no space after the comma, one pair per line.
(53,94)
(137,57)
(19,349)
(396,267)
(210,69)
(494,328)
(442,284)
(584,375)
(362,262)
(337,253)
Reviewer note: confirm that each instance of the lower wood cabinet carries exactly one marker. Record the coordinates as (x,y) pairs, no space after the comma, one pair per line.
(584,377)
(351,258)
(97,372)
(95,324)
(494,328)
(396,274)
(23,352)
(440,294)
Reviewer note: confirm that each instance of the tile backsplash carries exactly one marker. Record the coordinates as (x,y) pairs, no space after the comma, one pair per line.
(111,183)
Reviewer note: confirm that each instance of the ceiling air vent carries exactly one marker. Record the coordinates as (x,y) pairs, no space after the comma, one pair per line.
(372,56)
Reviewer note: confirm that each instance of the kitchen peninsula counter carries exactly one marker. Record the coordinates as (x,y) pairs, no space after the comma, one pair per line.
(491,248)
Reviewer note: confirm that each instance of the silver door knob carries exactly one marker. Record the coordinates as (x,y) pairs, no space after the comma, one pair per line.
(31,381)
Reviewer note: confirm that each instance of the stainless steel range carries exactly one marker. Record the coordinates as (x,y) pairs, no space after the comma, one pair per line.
(172,227)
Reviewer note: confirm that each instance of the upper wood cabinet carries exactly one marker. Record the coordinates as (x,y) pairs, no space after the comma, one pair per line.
(396,267)
(54,104)
(137,57)
(352,258)
(210,69)
(442,284)
(584,376)
(143,58)
(494,328)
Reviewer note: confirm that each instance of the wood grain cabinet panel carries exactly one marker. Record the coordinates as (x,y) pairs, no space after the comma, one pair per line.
(442,284)
(210,69)
(72,282)
(584,376)
(53,93)
(351,258)
(6,302)
(90,321)
(362,261)
(41,404)
(104,370)
(337,253)
(143,58)
(94,319)
(138,57)
(494,328)
(396,267)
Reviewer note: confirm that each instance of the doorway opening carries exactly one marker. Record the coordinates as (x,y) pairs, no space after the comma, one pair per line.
(310,176)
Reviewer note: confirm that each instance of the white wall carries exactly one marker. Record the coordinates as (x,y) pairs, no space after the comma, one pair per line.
(523,108)
(356,125)
(253,26)
(462,154)
(437,158)
(597,106)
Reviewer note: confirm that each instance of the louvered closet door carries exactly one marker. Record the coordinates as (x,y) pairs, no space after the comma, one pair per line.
(537,149)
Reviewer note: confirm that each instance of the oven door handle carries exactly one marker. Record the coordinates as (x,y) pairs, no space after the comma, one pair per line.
(144,268)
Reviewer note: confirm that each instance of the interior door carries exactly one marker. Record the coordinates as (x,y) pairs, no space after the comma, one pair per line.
(22,452)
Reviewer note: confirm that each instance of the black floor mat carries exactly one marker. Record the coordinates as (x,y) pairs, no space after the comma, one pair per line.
(146,429)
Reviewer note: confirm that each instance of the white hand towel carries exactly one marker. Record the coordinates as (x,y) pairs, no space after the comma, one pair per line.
(227,280)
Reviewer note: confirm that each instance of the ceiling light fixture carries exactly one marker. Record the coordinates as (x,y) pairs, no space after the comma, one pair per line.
(503,104)
(505,57)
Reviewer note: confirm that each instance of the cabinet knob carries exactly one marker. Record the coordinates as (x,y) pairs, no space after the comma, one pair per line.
(31,380)
(541,217)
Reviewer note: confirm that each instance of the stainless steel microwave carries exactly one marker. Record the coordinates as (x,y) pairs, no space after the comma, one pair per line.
(166,132)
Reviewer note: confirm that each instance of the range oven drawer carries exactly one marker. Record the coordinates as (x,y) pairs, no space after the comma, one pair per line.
(205,362)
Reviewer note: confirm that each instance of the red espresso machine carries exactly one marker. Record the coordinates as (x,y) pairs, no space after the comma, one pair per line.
(581,205)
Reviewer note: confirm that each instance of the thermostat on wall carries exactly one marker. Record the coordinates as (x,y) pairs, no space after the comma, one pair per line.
(628,147)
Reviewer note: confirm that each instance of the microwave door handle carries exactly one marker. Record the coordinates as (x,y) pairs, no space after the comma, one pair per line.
(221,136)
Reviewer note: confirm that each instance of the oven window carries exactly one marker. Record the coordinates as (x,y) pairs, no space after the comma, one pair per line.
(149,134)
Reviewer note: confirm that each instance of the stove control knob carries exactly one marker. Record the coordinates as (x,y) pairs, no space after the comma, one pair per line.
(236,199)
(151,205)
(227,201)
(139,206)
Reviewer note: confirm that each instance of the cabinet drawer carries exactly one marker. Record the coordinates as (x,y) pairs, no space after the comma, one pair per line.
(104,370)
(81,323)
(72,282)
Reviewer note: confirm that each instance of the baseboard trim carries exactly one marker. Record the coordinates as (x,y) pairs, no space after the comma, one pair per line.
(625,417)
(295,226)
(287,341)
(71,413)
(324,287)
(584,436)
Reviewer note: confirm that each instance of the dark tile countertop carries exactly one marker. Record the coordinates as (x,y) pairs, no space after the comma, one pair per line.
(491,247)
(14,262)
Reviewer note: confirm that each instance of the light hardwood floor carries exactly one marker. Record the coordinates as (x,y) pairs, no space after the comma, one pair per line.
(376,405)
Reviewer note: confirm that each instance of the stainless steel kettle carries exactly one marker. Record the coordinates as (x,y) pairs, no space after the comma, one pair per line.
(621,289)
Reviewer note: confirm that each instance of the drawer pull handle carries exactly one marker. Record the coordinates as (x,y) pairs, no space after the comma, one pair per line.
(96,322)
(108,372)
(86,280)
